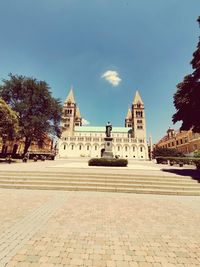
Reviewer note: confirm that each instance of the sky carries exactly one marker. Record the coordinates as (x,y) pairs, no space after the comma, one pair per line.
(106,50)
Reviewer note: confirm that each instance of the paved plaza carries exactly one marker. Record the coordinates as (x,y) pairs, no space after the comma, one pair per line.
(60,228)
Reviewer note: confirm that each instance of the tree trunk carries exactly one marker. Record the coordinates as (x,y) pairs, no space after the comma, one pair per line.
(27,145)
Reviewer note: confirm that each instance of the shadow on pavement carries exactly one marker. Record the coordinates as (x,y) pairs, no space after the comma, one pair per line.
(194,174)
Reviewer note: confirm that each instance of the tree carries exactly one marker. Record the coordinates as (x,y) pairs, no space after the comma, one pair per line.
(8,121)
(38,112)
(187,97)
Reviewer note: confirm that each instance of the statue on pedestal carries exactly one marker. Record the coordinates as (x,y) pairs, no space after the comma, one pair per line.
(108,129)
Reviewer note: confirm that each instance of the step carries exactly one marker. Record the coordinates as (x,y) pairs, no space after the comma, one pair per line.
(131,183)
(104,189)
(107,184)
(100,177)
(76,174)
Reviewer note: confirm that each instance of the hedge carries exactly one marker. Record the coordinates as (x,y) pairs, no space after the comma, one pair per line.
(179,160)
(108,162)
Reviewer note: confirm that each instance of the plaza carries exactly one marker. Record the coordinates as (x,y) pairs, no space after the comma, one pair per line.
(87,228)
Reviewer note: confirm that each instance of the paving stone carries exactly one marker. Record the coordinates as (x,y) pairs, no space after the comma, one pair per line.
(55,228)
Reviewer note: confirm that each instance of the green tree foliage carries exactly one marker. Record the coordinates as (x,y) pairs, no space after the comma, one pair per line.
(8,121)
(166,152)
(38,112)
(187,97)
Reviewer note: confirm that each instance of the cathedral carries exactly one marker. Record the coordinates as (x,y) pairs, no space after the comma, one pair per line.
(88,141)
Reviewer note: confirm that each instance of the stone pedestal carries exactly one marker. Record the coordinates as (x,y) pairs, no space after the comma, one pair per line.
(108,148)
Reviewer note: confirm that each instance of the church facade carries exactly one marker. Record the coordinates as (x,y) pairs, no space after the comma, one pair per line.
(88,141)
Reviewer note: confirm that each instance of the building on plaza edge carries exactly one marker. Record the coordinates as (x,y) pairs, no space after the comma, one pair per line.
(185,142)
(88,141)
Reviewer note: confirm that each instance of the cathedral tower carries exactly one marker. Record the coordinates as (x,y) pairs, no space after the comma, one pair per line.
(138,117)
(70,116)
(128,119)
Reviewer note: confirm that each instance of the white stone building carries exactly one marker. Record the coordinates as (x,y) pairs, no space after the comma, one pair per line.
(86,141)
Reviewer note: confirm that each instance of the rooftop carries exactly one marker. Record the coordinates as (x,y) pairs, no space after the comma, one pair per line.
(101,129)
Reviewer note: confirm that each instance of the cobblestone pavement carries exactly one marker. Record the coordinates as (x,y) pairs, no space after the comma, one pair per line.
(49,228)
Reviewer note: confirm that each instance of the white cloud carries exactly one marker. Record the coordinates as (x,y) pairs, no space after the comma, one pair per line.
(85,122)
(112,77)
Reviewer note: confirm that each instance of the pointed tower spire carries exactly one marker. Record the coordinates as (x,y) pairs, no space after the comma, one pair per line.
(78,114)
(128,119)
(129,114)
(137,99)
(70,97)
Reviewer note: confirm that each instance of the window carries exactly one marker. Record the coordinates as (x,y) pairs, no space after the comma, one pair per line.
(64,147)
(181,140)
(125,148)
(139,114)
(95,147)
(139,121)
(177,142)
(141,149)
(72,147)
(88,147)
(139,127)
(118,148)
(133,148)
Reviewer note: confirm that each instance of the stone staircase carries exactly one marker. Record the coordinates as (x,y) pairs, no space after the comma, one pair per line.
(104,182)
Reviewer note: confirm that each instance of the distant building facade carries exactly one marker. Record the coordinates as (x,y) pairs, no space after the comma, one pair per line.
(86,141)
(184,141)
(16,147)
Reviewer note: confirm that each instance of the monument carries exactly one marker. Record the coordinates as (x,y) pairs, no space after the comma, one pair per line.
(107,153)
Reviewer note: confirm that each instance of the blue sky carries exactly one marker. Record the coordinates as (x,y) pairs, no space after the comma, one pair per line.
(146,44)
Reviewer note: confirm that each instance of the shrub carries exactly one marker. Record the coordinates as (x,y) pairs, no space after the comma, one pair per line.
(197,153)
(166,152)
(43,158)
(197,163)
(24,159)
(108,162)
(179,160)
